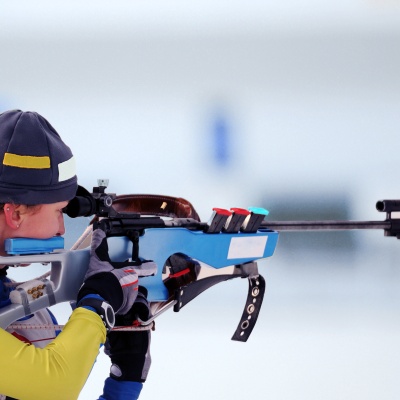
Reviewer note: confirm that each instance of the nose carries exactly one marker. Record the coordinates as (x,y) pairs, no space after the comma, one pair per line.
(61,226)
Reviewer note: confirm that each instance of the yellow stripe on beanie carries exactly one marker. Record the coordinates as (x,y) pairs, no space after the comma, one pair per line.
(32,162)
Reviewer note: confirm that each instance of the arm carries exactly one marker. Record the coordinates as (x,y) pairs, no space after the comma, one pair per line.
(58,370)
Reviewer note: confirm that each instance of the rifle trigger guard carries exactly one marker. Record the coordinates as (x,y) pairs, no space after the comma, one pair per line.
(252,308)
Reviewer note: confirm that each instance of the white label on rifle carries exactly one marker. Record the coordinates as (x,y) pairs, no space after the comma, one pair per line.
(247,247)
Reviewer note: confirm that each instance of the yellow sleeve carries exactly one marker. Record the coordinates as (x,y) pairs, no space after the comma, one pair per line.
(57,371)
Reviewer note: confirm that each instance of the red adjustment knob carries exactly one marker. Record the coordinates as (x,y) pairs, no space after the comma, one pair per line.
(235,221)
(218,220)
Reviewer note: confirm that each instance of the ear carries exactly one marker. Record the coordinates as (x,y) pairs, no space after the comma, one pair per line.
(12,215)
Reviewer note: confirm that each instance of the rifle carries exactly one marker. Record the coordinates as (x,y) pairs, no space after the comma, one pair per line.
(191,255)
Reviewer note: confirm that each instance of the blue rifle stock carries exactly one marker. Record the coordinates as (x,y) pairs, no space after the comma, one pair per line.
(158,244)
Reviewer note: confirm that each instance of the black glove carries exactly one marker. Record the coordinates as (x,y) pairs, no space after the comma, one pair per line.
(130,350)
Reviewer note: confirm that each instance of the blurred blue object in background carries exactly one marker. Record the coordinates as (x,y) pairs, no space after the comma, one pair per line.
(221,133)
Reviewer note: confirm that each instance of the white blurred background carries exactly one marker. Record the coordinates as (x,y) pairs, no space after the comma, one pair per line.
(293,106)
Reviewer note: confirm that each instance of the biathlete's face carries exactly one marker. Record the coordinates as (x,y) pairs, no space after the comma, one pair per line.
(41,222)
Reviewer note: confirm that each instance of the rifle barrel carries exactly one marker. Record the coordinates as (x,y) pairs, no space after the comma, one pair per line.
(324,225)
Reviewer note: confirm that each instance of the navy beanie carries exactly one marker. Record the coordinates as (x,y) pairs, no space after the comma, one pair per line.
(37,167)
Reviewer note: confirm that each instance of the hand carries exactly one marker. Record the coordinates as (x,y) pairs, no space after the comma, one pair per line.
(130,350)
(116,283)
